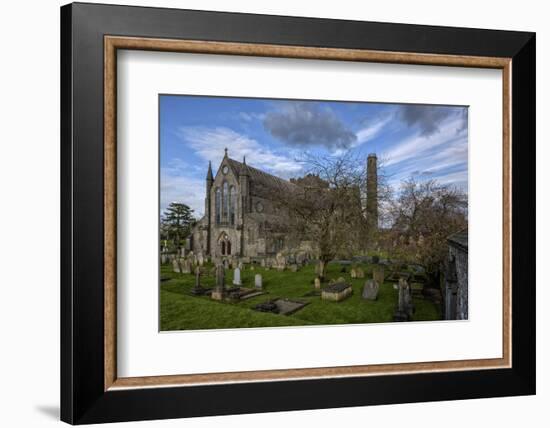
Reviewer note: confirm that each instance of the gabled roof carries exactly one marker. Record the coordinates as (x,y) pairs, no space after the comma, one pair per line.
(261,183)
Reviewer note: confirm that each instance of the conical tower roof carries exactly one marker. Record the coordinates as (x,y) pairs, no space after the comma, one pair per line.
(209,175)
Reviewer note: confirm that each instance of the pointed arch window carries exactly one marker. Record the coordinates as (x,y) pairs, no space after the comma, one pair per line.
(218,205)
(232,205)
(225,203)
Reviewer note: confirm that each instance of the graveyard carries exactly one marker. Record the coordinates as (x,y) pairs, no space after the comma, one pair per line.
(292,293)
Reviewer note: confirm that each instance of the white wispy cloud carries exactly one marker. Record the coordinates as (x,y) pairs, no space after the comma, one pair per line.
(183,189)
(441,155)
(371,131)
(459,178)
(209,144)
(419,145)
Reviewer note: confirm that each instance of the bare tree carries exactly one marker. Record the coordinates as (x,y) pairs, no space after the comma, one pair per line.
(325,207)
(424,215)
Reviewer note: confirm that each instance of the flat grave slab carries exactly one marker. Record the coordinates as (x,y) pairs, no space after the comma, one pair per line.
(253,294)
(336,292)
(280,306)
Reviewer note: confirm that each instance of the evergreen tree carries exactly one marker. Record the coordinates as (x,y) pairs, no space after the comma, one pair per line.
(176,223)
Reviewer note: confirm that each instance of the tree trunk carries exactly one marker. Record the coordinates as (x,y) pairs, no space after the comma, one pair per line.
(322,269)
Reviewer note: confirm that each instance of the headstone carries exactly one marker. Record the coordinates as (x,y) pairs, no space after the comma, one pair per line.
(405,307)
(370,290)
(176,266)
(219,292)
(378,274)
(251,267)
(360,272)
(262,263)
(353,273)
(185,266)
(258,281)
(341,279)
(200,259)
(197,290)
(220,277)
(237,277)
(294,268)
(226,263)
(281,259)
(317,283)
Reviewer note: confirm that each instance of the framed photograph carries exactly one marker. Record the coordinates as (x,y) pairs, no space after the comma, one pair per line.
(266,213)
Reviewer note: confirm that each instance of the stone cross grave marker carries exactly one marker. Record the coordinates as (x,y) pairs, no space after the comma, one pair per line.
(220,277)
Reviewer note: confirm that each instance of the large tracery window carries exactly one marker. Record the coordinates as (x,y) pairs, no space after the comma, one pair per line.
(218,205)
(232,205)
(225,198)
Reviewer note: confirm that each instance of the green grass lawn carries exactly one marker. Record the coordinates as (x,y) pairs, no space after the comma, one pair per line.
(181,311)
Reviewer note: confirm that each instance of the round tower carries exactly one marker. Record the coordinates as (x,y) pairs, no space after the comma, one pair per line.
(372,192)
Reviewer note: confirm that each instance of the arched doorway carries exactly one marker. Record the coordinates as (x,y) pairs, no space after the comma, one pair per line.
(224,244)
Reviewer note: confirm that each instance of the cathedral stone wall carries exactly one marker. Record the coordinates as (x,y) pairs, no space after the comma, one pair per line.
(250,224)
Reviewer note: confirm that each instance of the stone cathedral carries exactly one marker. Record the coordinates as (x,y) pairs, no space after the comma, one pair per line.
(242,218)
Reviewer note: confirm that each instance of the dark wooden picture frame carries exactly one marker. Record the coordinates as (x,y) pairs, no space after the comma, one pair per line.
(90,37)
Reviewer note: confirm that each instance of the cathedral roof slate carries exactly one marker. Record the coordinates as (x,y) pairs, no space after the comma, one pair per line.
(261,183)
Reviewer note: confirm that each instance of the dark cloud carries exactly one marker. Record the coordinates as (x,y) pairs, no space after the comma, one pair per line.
(428,119)
(306,124)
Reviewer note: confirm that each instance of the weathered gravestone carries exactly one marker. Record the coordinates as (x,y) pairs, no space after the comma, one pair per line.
(258,281)
(353,273)
(317,283)
(378,274)
(318,268)
(370,290)
(219,292)
(405,307)
(176,266)
(280,260)
(237,277)
(341,279)
(294,268)
(185,266)
(197,289)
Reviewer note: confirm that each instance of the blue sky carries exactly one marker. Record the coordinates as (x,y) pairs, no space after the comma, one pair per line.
(421,141)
